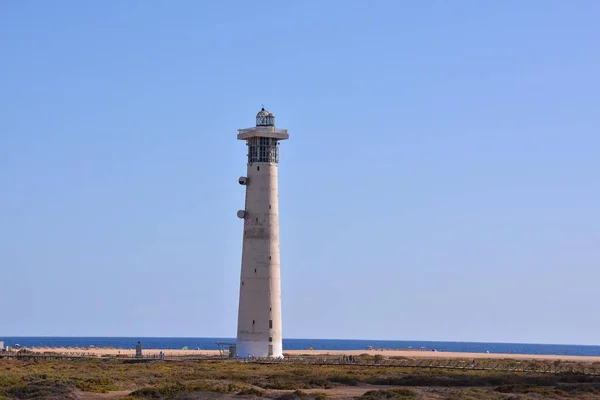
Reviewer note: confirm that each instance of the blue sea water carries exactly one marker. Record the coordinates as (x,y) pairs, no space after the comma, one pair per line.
(302,344)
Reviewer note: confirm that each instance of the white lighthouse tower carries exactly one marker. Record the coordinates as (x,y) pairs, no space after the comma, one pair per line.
(259,313)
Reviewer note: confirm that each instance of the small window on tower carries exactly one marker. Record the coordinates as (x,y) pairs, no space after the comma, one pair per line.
(269,257)
(270,339)
(269,206)
(254,270)
(270,324)
(258,168)
(253,321)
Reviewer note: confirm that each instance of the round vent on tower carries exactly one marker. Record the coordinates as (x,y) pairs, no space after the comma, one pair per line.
(265,118)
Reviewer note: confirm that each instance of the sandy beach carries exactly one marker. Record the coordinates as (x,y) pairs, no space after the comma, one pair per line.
(385,353)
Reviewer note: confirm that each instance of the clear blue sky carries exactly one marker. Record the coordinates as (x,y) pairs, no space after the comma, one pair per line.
(442,180)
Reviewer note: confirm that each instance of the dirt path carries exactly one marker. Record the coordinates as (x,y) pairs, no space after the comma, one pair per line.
(102,396)
(338,392)
(345,391)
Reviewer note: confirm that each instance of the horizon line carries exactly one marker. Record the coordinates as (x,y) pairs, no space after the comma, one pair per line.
(334,339)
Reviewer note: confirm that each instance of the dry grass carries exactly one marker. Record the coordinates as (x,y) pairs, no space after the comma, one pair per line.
(188,379)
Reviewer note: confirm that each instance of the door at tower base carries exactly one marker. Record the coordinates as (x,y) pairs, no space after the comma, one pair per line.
(249,348)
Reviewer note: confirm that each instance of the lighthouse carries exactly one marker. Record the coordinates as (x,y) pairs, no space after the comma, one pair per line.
(259,312)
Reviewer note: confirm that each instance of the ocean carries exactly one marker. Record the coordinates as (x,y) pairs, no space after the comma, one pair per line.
(302,344)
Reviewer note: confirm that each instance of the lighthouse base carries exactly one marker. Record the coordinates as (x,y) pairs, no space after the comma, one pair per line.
(245,349)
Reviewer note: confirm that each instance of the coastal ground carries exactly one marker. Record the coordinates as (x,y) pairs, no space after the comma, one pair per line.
(114,378)
(384,353)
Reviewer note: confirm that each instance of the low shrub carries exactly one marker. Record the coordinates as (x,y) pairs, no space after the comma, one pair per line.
(251,392)
(401,393)
(298,394)
(319,395)
(40,392)
(146,393)
(344,380)
(522,389)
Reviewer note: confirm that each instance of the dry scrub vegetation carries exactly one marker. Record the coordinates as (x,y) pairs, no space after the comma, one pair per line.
(188,380)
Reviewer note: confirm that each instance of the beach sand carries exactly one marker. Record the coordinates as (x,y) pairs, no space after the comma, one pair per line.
(385,353)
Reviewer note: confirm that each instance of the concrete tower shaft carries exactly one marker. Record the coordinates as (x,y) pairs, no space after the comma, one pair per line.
(259,314)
